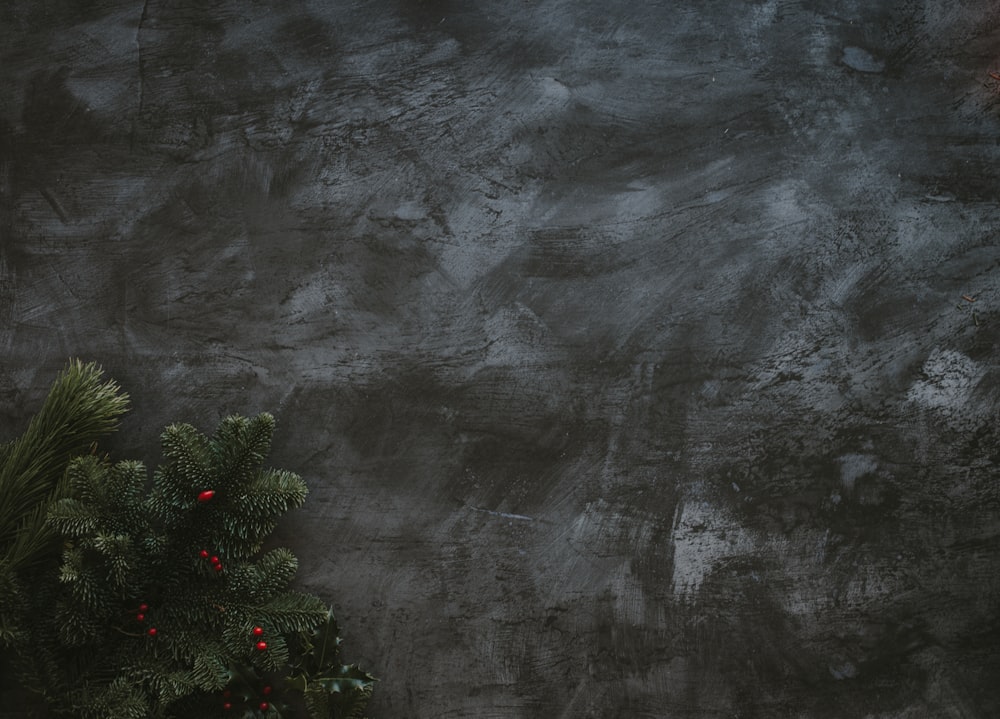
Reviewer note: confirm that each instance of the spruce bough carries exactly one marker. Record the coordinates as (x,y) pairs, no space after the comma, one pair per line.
(165,603)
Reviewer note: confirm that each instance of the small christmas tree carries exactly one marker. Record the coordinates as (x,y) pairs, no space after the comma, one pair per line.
(166,605)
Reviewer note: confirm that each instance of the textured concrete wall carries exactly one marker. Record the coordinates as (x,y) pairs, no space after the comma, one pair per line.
(623,344)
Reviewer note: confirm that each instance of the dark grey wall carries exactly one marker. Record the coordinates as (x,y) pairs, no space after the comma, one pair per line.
(623,344)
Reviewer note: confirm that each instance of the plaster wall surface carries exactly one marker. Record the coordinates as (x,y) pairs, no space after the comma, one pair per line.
(622,344)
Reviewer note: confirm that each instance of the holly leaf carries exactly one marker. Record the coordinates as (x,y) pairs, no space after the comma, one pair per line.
(321,646)
(332,690)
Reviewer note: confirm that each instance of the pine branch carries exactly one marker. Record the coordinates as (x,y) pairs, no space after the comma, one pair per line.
(241,445)
(78,411)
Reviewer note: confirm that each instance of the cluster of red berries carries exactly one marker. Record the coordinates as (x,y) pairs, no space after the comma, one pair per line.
(227,705)
(265,690)
(263,706)
(140,616)
(213,559)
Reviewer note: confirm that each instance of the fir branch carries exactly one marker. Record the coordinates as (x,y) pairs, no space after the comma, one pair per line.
(188,456)
(241,444)
(72,518)
(293,611)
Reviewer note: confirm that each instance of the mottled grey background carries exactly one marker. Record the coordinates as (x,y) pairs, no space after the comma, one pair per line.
(622,344)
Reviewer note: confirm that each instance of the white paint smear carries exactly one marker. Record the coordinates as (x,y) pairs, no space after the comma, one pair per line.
(703,535)
(948,379)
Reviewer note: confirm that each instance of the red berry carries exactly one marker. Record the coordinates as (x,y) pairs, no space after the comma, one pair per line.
(140,617)
(265,691)
(203,554)
(264,706)
(227,706)
(215,560)
(152,631)
(257,631)
(217,567)
(143,607)
(261,646)
(206,495)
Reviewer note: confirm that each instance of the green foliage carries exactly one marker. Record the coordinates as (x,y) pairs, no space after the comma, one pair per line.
(331,689)
(165,604)
(79,410)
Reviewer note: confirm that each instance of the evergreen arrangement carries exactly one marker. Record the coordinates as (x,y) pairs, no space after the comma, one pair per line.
(166,602)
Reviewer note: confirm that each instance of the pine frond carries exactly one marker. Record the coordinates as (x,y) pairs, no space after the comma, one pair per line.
(5,450)
(76,625)
(124,484)
(274,492)
(86,587)
(241,445)
(170,686)
(33,540)
(73,518)
(120,699)
(275,570)
(72,565)
(117,550)
(293,611)
(83,475)
(274,657)
(257,506)
(188,456)
(13,605)
(210,670)
(78,410)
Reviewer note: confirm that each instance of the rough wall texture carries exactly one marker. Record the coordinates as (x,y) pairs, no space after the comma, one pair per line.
(623,344)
